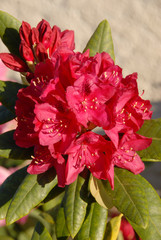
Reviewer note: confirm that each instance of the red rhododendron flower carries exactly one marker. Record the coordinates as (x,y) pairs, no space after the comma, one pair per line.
(70,95)
(89,151)
(127,230)
(37,44)
(125,155)
(87,100)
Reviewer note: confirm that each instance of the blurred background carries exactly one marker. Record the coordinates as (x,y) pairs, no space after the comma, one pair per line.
(136,31)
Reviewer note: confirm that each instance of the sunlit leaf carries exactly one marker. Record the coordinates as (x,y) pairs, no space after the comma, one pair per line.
(94,225)
(128,196)
(75,203)
(9,32)
(153,229)
(113,228)
(61,228)
(99,193)
(8,189)
(152,129)
(101,40)
(30,193)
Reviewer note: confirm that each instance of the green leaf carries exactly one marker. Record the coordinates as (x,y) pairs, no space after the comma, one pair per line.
(113,228)
(75,204)
(101,40)
(152,129)
(6,237)
(8,94)
(30,193)
(5,115)
(54,198)
(128,196)
(94,225)
(9,32)
(99,193)
(61,228)
(41,233)
(153,229)
(8,148)
(8,189)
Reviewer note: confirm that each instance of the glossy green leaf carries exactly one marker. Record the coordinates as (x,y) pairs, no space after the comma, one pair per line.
(30,193)
(152,129)
(153,229)
(61,228)
(8,189)
(101,40)
(41,233)
(75,203)
(128,196)
(9,32)
(8,148)
(94,225)
(113,228)
(8,94)
(54,198)
(5,115)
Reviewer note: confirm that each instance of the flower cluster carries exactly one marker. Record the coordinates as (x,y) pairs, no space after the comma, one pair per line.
(78,112)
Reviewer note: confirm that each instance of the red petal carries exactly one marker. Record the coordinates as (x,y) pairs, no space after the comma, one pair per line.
(41,52)
(26,51)
(25,31)
(13,62)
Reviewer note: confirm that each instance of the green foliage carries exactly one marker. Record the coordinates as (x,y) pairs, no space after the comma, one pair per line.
(113,228)
(8,148)
(71,212)
(101,40)
(75,203)
(94,224)
(152,129)
(153,229)
(41,233)
(8,189)
(9,32)
(5,115)
(30,193)
(8,94)
(61,228)
(128,196)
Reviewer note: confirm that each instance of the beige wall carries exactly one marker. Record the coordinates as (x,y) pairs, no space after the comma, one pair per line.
(136,30)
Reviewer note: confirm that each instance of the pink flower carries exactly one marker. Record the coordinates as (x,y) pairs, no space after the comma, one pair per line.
(69,95)
(125,155)
(129,109)
(43,160)
(54,124)
(92,151)
(87,100)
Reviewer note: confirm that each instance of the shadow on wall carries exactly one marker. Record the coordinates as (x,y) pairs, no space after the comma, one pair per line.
(156,109)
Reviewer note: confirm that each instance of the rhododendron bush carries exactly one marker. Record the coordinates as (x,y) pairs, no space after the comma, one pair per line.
(86,130)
